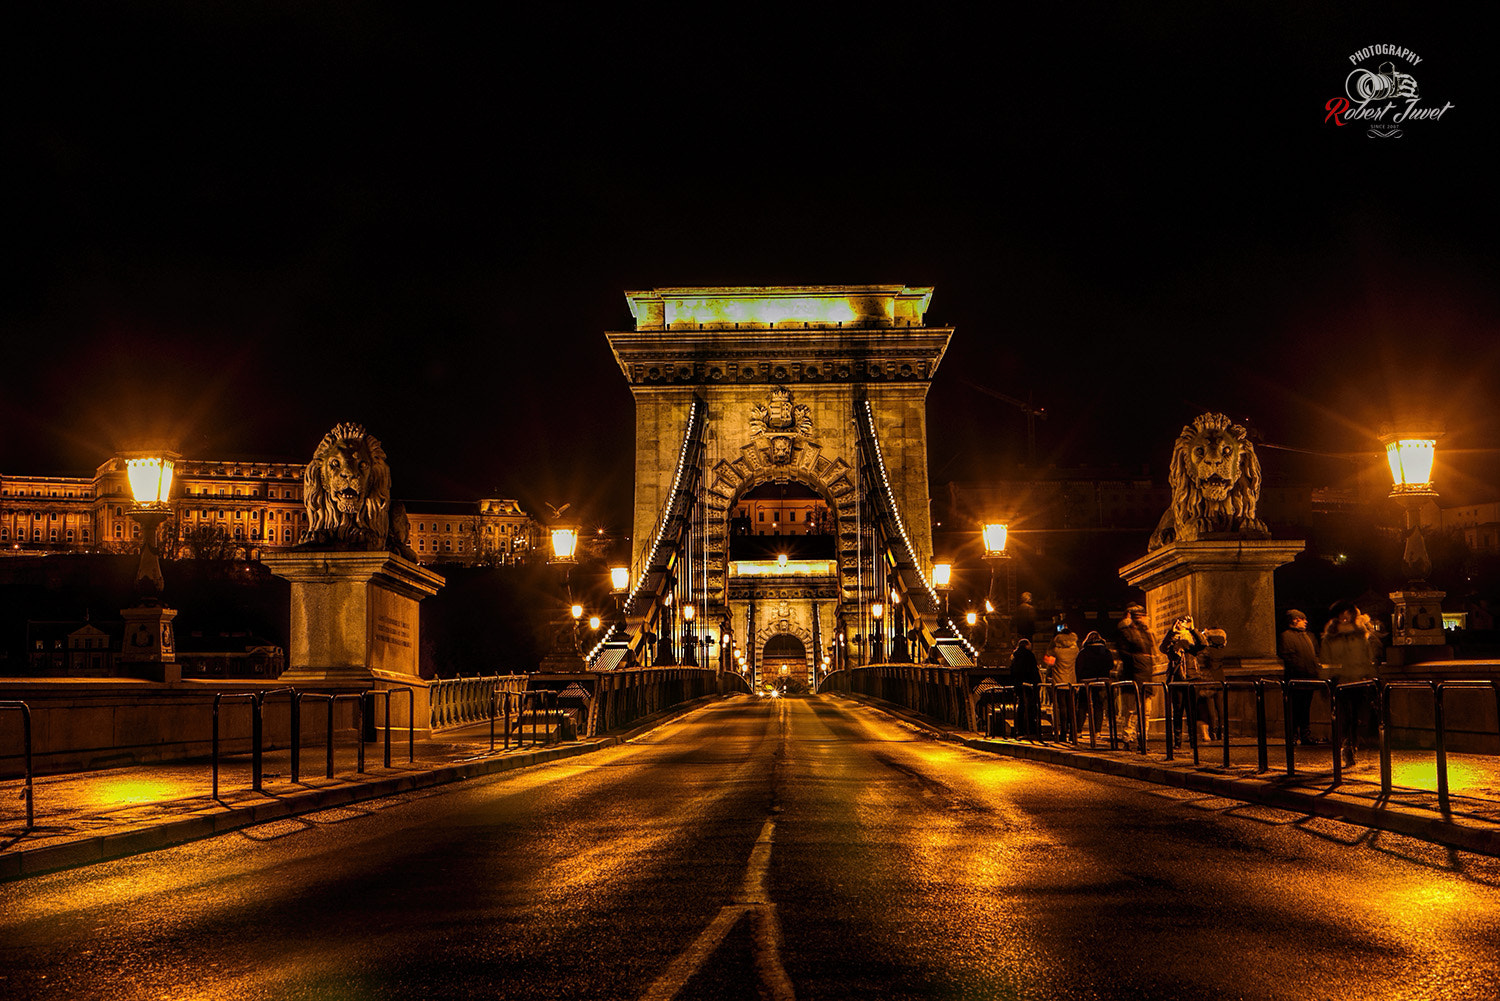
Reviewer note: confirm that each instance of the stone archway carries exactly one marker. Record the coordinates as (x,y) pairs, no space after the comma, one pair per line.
(776,649)
(784,653)
(832,479)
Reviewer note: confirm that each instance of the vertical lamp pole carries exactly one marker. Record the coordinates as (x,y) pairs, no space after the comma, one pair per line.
(942,580)
(898,629)
(566,657)
(149,643)
(689,639)
(877,635)
(996,535)
(1417,617)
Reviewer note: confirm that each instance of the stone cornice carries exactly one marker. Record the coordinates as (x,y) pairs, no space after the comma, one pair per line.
(781,354)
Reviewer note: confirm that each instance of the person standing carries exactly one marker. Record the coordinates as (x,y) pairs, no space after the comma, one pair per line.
(1182,645)
(1025,677)
(1094,663)
(1351,652)
(1298,651)
(1137,649)
(1062,655)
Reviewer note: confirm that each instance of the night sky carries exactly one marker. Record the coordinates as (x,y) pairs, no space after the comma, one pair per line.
(242,223)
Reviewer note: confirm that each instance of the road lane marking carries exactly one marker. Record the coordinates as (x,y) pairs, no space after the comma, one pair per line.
(766,936)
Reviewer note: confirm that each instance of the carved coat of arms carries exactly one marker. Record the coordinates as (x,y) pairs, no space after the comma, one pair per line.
(781,422)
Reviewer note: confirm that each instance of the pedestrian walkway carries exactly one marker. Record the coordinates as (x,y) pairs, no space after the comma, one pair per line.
(1472,821)
(86,817)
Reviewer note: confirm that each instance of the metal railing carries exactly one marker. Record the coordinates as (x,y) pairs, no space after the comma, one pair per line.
(411,711)
(359,724)
(539,701)
(30,791)
(1439,727)
(459,701)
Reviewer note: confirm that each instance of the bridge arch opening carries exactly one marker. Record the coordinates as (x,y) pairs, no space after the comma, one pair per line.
(785,656)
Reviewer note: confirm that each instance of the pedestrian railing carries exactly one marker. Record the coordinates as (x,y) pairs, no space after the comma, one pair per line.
(330,700)
(511,709)
(29,793)
(411,711)
(1439,726)
(253,698)
(460,701)
(1094,708)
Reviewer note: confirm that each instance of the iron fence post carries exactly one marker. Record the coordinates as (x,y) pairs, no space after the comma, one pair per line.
(1442,746)
(1263,762)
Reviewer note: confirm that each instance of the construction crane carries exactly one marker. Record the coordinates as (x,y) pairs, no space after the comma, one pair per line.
(1033,414)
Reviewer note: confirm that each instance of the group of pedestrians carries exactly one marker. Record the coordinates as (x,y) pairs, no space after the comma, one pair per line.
(1350,651)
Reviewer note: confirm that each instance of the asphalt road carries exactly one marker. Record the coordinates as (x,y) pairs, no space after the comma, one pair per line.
(807,848)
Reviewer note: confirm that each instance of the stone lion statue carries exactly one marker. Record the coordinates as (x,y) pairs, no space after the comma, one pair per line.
(1215,479)
(347,492)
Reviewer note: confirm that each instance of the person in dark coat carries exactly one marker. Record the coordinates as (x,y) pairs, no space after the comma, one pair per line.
(1094,663)
(1025,676)
(1137,659)
(1182,645)
(1298,651)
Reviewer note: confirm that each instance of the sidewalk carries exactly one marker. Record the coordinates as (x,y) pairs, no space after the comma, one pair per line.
(1472,823)
(86,817)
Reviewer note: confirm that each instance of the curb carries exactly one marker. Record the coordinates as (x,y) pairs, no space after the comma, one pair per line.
(22,862)
(1474,836)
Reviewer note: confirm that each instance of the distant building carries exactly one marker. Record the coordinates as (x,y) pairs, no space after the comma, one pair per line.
(1479,523)
(233,509)
(244,506)
(494,531)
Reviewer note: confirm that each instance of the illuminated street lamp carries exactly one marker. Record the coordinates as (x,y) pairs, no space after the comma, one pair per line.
(567,654)
(1411,455)
(898,629)
(689,641)
(149,642)
(877,636)
(564,544)
(942,580)
(150,475)
(1417,618)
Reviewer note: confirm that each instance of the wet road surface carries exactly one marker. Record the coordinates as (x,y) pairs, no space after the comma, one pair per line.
(807,848)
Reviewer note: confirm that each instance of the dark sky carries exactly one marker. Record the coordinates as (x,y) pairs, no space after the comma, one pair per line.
(244,223)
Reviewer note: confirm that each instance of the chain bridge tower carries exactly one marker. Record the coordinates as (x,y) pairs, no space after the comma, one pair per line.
(781,475)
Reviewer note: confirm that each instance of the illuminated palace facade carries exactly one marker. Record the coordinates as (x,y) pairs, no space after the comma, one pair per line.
(233,508)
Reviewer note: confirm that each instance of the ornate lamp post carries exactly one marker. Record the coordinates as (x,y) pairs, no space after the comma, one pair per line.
(1417,619)
(942,580)
(689,640)
(898,629)
(877,635)
(149,642)
(566,656)
(996,535)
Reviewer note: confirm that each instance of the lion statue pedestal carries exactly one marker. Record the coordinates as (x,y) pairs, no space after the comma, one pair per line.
(355,623)
(355,581)
(1223,584)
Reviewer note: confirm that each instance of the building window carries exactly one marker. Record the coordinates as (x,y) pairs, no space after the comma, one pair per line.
(119,532)
(286,535)
(447,545)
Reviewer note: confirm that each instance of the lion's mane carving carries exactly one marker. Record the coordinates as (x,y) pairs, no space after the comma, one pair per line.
(347,492)
(1215,480)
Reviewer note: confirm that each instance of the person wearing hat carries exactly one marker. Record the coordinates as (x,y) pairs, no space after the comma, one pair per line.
(1298,651)
(1138,662)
